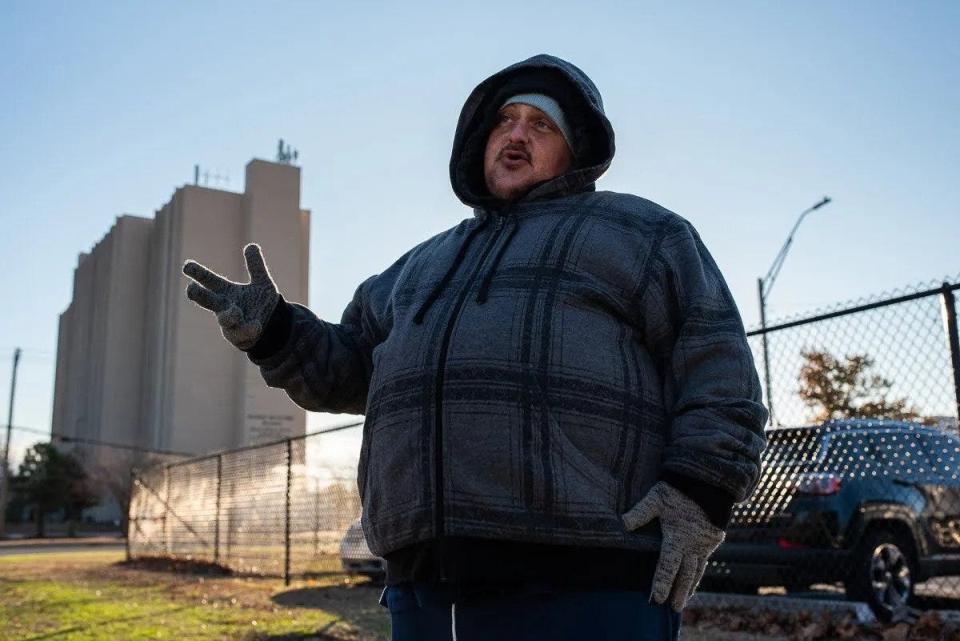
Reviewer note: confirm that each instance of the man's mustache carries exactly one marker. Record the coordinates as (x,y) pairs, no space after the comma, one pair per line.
(514,148)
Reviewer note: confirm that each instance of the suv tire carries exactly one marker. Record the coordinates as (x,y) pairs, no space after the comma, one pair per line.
(884,572)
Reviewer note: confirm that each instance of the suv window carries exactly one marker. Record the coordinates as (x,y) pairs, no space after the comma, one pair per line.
(789,447)
(852,454)
(901,453)
(943,454)
(897,453)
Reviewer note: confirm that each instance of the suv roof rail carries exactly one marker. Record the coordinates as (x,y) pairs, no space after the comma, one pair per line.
(857,424)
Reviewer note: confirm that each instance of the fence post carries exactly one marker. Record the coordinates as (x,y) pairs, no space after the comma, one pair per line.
(286,536)
(951,313)
(133,487)
(316,519)
(166,509)
(216,521)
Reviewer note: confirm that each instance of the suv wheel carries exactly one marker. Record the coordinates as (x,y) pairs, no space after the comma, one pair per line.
(883,573)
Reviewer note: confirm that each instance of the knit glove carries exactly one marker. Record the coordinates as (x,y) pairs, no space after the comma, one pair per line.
(242,309)
(689,538)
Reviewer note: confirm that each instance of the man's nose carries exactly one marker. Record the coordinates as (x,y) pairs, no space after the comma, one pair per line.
(519,131)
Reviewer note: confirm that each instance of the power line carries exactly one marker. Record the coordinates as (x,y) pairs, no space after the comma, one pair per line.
(33,352)
(31,430)
(36,359)
(92,441)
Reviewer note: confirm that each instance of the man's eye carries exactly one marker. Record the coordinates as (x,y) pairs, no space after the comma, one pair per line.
(543,125)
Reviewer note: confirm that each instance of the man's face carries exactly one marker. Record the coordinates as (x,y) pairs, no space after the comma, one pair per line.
(525,147)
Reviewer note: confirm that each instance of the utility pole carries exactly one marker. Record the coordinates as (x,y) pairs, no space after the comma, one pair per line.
(764,285)
(5,471)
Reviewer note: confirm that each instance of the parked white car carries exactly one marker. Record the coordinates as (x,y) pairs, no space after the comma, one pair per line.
(357,558)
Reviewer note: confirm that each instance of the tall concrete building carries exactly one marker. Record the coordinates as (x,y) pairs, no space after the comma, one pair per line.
(138,363)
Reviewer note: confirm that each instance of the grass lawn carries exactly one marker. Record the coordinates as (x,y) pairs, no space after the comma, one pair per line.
(80,596)
(87,596)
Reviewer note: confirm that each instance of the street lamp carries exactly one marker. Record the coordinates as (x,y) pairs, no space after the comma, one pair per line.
(764,285)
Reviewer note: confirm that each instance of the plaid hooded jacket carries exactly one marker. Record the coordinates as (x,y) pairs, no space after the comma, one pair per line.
(528,374)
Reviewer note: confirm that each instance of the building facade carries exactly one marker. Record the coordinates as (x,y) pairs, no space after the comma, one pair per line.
(138,363)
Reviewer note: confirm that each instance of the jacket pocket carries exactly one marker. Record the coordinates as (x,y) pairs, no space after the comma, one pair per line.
(585,484)
(646,470)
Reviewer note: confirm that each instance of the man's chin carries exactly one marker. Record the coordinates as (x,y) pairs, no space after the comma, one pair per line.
(511,190)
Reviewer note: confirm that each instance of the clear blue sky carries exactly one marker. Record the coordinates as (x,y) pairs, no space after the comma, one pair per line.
(735,115)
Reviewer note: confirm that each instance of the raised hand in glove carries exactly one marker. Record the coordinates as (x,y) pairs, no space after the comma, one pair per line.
(689,538)
(242,309)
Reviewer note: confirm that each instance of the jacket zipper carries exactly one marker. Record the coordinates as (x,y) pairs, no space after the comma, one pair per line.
(438,392)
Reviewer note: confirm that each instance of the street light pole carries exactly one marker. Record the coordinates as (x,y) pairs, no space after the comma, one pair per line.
(766,352)
(4,472)
(764,285)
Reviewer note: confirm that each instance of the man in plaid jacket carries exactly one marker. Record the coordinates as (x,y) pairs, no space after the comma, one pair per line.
(561,404)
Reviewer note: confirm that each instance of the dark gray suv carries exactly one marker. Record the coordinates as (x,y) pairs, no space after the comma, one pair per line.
(873,504)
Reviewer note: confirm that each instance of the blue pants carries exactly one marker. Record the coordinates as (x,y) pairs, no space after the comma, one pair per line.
(424,613)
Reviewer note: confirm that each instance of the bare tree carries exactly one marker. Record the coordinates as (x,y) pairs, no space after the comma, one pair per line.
(113,475)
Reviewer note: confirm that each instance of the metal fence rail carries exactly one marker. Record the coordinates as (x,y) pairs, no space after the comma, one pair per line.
(859,491)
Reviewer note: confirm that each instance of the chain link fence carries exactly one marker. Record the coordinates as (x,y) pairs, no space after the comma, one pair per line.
(279,509)
(859,495)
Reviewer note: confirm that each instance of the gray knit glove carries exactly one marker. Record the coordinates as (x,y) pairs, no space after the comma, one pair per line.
(689,538)
(242,309)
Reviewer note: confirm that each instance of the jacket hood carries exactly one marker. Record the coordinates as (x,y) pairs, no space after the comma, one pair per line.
(592,131)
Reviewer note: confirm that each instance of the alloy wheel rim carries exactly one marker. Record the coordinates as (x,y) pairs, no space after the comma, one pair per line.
(889,576)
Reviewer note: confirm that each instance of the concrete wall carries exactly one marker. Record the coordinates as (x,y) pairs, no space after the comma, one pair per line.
(100,339)
(79,372)
(155,330)
(122,330)
(273,219)
(204,371)
(138,363)
(60,388)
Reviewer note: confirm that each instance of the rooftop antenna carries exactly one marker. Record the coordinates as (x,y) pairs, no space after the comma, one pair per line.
(204,177)
(285,154)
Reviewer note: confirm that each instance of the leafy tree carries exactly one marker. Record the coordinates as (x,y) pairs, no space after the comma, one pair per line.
(50,480)
(847,389)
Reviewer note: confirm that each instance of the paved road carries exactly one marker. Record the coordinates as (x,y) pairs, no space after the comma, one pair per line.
(52,548)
